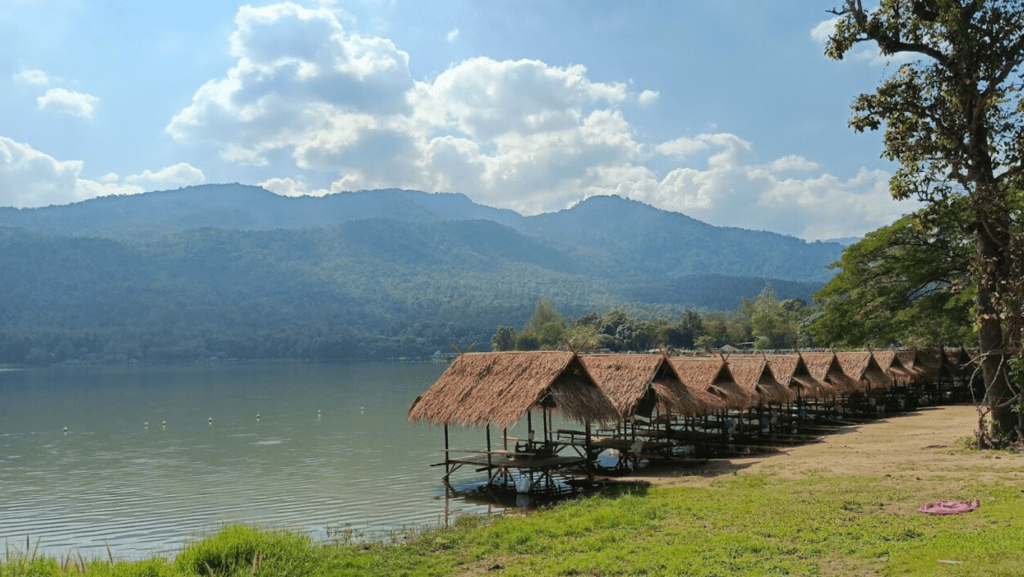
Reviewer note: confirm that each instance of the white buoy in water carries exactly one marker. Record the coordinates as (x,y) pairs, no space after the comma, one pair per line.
(145,425)
(209,421)
(257,418)
(361,410)
(163,424)
(65,431)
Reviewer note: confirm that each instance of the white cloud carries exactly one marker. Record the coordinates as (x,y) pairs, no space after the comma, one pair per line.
(30,77)
(293,187)
(823,30)
(32,178)
(70,102)
(682,147)
(178,175)
(297,72)
(453,36)
(648,97)
(736,190)
(792,163)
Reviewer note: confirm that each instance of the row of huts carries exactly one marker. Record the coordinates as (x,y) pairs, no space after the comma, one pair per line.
(581,410)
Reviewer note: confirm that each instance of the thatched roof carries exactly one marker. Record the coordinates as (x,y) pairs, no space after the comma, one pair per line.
(753,374)
(637,383)
(792,371)
(890,362)
(913,366)
(957,361)
(712,375)
(863,367)
(929,361)
(499,388)
(825,367)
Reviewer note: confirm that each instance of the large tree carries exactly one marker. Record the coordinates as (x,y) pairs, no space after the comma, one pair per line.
(954,121)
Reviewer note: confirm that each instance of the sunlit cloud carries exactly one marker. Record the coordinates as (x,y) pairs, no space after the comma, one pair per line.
(30,77)
(70,102)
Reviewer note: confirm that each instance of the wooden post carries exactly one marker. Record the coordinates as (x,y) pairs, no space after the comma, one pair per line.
(529,430)
(447,470)
(544,417)
(488,448)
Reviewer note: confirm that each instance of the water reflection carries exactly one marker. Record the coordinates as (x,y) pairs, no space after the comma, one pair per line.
(329,449)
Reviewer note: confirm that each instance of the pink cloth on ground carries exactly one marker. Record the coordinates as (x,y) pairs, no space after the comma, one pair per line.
(949,507)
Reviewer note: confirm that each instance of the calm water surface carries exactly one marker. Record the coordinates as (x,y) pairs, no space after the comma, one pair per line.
(331,451)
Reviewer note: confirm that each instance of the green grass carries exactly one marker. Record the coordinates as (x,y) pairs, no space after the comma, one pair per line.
(739,525)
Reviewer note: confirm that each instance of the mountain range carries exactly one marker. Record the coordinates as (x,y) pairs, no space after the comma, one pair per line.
(172,274)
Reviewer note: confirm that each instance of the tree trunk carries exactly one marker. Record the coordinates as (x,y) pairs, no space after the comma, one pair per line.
(992,253)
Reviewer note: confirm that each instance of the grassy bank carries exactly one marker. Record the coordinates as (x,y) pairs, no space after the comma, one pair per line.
(758,524)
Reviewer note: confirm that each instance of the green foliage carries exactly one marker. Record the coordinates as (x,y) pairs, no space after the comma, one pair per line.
(902,284)
(766,322)
(504,339)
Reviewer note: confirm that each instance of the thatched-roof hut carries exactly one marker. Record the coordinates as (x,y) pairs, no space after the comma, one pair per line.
(637,384)
(712,375)
(753,374)
(890,362)
(792,371)
(913,365)
(958,362)
(499,388)
(862,367)
(930,363)
(825,368)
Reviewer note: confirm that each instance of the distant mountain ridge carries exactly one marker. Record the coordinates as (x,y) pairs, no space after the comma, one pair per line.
(604,233)
(233,271)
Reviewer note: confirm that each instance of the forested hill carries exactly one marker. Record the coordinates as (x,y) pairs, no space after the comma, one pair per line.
(606,234)
(236,271)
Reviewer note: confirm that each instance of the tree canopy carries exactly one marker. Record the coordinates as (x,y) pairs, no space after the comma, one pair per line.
(902,284)
(954,121)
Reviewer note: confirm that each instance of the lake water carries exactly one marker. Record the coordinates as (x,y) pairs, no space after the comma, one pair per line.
(330,452)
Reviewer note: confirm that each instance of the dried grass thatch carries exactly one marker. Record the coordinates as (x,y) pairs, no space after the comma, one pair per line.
(911,364)
(499,388)
(826,368)
(958,362)
(792,371)
(712,375)
(862,367)
(929,362)
(889,361)
(637,383)
(753,374)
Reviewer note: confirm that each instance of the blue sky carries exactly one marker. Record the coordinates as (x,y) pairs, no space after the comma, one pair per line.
(723,110)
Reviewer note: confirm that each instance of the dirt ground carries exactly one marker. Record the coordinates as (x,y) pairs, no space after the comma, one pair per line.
(926,445)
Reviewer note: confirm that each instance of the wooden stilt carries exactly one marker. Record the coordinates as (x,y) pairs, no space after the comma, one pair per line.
(489,447)
(447,463)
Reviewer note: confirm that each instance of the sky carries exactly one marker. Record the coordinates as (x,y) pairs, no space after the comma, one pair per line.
(724,110)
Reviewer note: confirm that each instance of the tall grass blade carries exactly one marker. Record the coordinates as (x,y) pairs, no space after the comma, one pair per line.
(109,553)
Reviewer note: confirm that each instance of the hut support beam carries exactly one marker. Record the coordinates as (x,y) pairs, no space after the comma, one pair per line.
(447,462)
